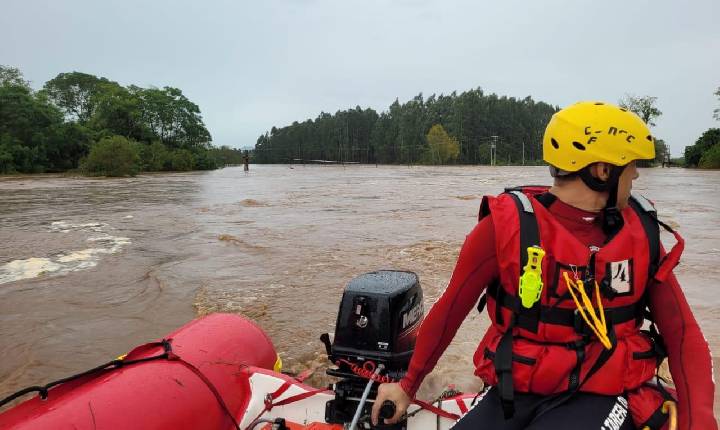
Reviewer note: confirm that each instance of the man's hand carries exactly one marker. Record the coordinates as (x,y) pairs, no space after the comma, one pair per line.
(395,394)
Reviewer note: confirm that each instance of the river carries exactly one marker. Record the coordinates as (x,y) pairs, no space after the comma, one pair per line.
(91,267)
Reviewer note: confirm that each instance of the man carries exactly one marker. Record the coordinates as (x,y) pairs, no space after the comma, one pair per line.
(569,274)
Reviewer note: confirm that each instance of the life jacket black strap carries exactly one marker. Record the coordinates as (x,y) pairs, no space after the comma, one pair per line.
(658,342)
(604,356)
(501,295)
(528,318)
(648,218)
(560,316)
(482,302)
(574,379)
(503,369)
(656,421)
(651,224)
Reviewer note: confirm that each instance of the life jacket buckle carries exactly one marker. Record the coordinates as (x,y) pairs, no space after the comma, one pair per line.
(583,329)
(580,325)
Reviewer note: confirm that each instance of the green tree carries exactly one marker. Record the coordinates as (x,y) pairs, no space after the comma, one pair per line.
(661,150)
(67,144)
(112,156)
(695,153)
(182,160)
(155,157)
(28,126)
(53,129)
(204,159)
(716,112)
(12,76)
(174,119)
(77,93)
(7,158)
(118,111)
(442,148)
(711,158)
(225,155)
(645,107)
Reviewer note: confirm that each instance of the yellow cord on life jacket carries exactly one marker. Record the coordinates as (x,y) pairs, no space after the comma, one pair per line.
(588,311)
(668,408)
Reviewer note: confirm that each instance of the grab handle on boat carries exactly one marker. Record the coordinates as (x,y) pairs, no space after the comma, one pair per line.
(387,410)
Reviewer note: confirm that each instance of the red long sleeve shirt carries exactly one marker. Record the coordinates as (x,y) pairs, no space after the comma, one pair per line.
(689,355)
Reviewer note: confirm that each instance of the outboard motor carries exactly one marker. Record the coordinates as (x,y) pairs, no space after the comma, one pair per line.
(380,315)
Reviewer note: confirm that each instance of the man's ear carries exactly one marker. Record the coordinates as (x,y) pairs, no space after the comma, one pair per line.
(601,171)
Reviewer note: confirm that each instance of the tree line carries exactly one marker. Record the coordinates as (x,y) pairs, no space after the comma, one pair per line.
(86,122)
(447,129)
(464,126)
(705,153)
(81,121)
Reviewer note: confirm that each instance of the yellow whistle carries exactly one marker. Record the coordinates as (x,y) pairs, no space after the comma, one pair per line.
(531,284)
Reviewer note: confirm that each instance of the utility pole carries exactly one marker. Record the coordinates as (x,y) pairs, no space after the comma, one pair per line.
(493,150)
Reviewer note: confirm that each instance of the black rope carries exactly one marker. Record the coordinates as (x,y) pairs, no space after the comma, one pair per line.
(110,365)
(33,389)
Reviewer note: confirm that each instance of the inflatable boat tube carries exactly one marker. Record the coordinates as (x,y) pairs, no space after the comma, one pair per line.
(201,366)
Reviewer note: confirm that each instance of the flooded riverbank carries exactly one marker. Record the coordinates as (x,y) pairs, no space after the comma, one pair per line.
(91,267)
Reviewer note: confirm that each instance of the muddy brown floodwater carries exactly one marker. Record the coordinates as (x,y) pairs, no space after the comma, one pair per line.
(91,267)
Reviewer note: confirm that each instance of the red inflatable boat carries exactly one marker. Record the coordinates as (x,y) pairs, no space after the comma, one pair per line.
(221,372)
(216,372)
(176,384)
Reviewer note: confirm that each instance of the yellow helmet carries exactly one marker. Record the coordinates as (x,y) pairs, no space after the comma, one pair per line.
(590,132)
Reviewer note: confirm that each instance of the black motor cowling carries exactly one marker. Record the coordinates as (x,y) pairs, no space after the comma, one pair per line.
(380,315)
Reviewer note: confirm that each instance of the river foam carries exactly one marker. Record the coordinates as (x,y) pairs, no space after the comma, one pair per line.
(100,242)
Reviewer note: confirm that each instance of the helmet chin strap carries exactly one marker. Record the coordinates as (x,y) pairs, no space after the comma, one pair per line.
(612,220)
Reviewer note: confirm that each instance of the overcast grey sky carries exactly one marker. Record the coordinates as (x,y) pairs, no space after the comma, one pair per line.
(252,65)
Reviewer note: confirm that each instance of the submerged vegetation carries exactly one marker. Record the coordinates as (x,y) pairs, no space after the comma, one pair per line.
(81,121)
(112,156)
(442,148)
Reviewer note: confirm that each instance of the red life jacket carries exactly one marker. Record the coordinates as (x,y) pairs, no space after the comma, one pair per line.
(548,348)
